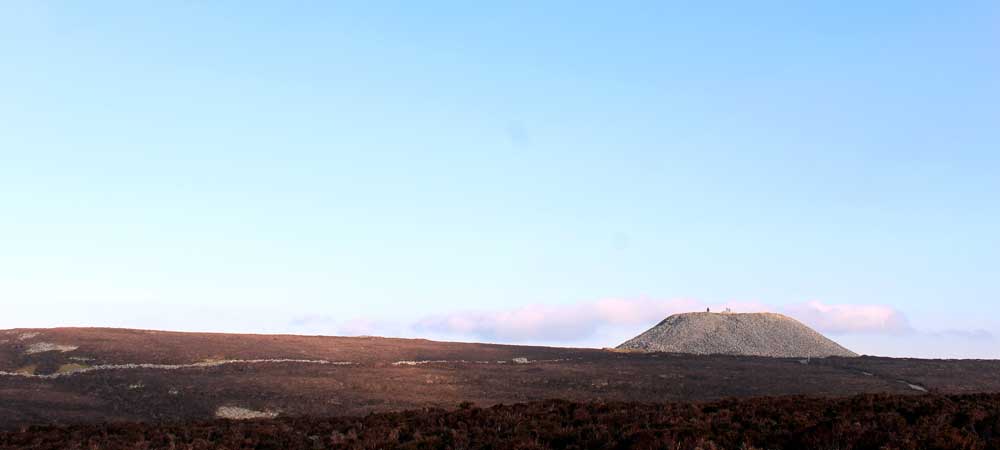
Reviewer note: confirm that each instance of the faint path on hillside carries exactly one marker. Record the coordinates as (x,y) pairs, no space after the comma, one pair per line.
(886,378)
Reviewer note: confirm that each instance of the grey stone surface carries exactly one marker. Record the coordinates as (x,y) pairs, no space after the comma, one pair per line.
(754,334)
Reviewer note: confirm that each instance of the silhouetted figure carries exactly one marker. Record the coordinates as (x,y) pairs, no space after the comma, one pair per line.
(708,309)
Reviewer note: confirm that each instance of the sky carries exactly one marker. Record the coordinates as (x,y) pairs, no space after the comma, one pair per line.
(553,173)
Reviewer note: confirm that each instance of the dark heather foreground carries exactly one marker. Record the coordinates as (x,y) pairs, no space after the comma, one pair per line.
(860,422)
(88,376)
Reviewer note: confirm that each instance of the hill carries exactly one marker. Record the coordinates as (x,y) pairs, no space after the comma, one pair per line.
(88,375)
(753,334)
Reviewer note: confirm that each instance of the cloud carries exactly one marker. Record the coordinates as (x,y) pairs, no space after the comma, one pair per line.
(552,322)
(330,325)
(577,322)
(868,329)
(849,318)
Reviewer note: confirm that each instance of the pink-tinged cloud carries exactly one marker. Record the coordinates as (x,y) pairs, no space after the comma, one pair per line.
(553,322)
(849,318)
(575,322)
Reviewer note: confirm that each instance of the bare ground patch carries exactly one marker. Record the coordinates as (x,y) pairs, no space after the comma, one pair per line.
(42,347)
(239,413)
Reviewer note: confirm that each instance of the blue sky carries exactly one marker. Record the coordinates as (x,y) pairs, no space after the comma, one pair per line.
(397,168)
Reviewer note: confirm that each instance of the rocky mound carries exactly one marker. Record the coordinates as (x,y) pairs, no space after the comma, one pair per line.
(757,334)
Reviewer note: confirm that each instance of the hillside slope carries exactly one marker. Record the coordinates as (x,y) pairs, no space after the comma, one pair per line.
(86,375)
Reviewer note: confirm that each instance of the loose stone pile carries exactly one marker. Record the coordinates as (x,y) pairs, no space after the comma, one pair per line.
(756,334)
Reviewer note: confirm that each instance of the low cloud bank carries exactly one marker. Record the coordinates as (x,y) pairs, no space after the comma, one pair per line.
(867,329)
(552,322)
(580,321)
(849,318)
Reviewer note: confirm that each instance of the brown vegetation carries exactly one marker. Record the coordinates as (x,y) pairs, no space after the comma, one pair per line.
(444,374)
(860,422)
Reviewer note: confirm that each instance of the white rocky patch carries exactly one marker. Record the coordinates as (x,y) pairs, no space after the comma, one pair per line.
(238,413)
(42,347)
(417,363)
(518,360)
(26,336)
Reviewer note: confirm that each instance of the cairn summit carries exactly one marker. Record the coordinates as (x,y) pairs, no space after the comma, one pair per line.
(748,334)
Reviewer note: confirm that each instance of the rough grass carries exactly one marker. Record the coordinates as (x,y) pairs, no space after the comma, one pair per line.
(863,422)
